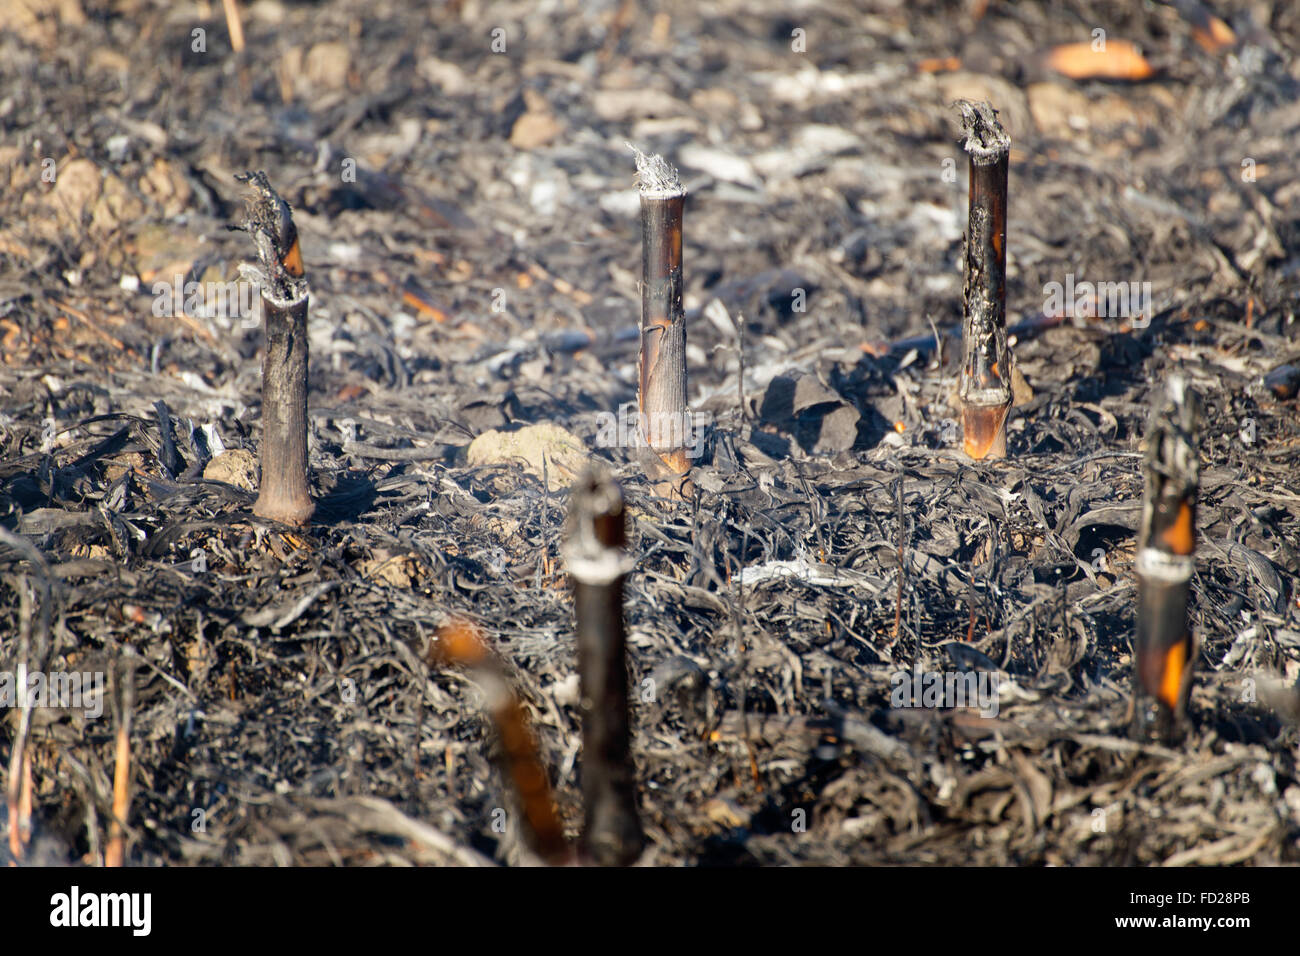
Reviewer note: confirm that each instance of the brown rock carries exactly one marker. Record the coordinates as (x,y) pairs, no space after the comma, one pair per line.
(117,206)
(162,251)
(534,448)
(38,21)
(165,185)
(1062,112)
(716,101)
(104,60)
(328,64)
(17,168)
(76,189)
(236,466)
(621,105)
(535,129)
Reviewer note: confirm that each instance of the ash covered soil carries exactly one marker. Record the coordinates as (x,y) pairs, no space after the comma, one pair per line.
(480,271)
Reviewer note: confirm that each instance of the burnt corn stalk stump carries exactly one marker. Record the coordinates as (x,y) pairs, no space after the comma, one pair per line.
(985,390)
(283,495)
(661,370)
(460,642)
(595,554)
(1165,646)
(124,681)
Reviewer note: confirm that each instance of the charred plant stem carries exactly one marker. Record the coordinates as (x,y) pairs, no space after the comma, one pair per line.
(985,388)
(19,789)
(282,495)
(168,456)
(594,553)
(459,642)
(661,386)
(902,566)
(115,850)
(18,799)
(1165,647)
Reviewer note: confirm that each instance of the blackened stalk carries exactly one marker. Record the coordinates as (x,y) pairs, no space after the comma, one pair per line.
(596,559)
(985,389)
(282,494)
(459,642)
(661,386)
(1165,647)
(168,456)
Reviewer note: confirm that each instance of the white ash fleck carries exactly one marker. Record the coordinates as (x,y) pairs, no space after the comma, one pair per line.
(986,140)
(255,274)
(655,177)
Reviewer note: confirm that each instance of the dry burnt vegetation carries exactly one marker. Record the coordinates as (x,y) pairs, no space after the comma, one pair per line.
(480,272)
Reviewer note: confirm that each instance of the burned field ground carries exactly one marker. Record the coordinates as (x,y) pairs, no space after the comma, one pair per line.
(479,272)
